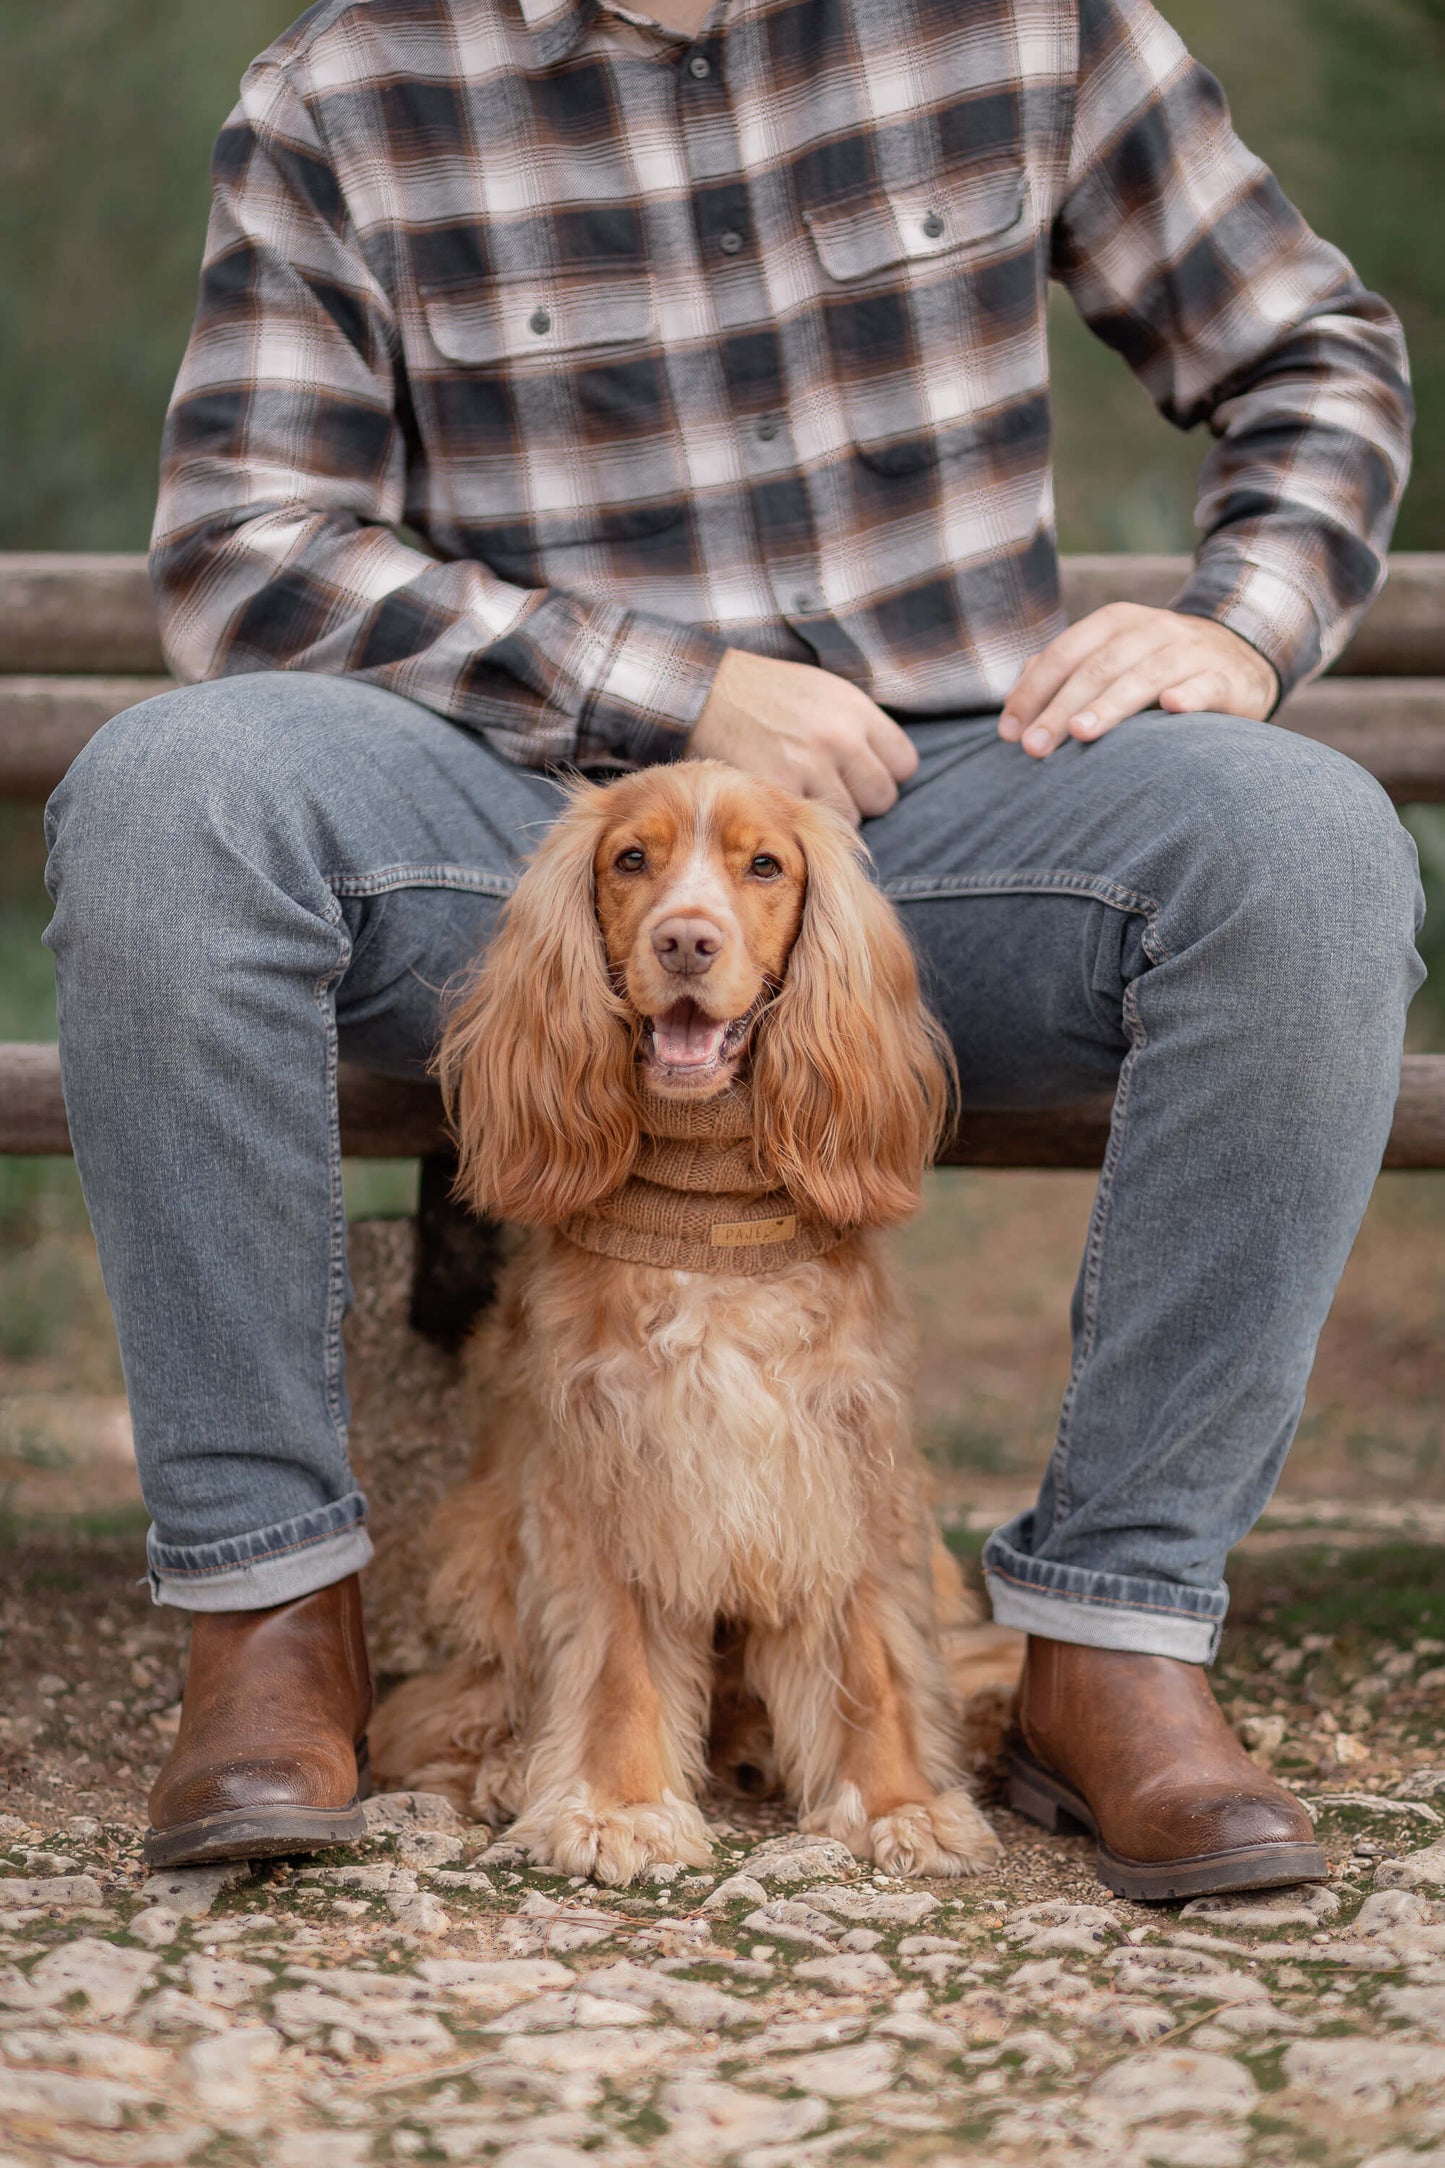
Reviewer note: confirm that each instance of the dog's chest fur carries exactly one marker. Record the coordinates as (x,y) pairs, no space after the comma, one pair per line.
(725,1437)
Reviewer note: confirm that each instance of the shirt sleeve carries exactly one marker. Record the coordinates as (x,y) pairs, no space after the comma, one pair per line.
(1181,252)
(283,480)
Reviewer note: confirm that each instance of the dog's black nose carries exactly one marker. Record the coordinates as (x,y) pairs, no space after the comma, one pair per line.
(686,945)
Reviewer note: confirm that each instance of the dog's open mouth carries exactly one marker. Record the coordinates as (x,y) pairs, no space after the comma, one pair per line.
(683,1044)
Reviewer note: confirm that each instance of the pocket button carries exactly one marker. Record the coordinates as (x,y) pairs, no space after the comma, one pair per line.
(730,242)
(540,322)
(933,225)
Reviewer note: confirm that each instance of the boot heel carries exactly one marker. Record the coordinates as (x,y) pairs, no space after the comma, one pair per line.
(1029,1797)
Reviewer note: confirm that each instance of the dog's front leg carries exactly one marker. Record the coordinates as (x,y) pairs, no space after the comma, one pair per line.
(865,1736)
(622,1708)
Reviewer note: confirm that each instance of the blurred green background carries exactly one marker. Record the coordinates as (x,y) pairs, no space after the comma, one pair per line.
(107,113)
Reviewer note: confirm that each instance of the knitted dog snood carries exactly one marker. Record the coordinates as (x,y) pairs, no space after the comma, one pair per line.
(695,1199)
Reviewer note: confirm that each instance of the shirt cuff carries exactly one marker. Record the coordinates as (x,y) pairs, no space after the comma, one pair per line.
(1266,608)
(652,688)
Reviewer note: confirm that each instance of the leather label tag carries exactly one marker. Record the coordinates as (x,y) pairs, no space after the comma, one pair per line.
(743,1234)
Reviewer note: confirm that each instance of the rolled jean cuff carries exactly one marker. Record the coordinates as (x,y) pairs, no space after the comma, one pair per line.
(270,1566)
(1101,1610)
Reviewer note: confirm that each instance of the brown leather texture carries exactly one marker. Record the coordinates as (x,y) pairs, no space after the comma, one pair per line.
(274,1705)
(1143,1740)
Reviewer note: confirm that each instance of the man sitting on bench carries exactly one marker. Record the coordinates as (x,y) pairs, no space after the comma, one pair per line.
(574,387)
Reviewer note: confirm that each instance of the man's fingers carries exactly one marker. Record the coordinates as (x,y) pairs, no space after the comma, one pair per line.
(1130,694)
(1053,666)
(892,746)
(1095,688)
(1204,693)
(868,782)
(834,794)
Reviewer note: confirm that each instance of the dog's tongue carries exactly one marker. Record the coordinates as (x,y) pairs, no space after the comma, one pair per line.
(685,1038)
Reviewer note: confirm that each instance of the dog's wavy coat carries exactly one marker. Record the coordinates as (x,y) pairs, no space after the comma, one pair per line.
(697,1506)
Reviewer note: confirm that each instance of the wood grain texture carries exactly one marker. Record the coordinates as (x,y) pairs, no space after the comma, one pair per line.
(1394,726)
(384,1118)
(1402,635)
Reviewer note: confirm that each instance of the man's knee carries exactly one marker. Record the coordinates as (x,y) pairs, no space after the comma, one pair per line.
(234,747)
(171,806)
(1300,855)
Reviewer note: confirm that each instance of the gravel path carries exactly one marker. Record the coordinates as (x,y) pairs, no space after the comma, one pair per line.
(428,1998)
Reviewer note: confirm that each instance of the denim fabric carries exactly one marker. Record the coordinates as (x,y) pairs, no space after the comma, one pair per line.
(255,876)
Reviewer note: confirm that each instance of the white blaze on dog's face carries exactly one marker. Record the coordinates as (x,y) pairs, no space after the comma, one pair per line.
(700,881)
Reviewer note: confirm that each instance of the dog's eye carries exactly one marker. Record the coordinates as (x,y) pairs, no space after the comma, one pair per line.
(765,866)
(630,861)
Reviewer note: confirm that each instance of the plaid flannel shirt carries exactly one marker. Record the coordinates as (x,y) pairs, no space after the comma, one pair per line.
(543,355)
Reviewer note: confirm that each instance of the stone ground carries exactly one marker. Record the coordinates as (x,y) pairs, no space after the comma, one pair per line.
(428,1997)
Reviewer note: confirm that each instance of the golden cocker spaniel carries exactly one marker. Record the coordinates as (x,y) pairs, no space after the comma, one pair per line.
(695,1065)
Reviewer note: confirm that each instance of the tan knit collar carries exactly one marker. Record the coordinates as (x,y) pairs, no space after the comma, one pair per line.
(696,1199)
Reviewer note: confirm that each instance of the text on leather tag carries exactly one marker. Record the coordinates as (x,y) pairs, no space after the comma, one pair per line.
(741,1234)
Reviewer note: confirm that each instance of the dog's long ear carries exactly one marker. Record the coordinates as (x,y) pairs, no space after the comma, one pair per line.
(853,1078)
(536,1059)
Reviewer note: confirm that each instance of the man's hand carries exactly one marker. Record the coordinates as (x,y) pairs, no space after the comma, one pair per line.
(805,728)
(1120,660)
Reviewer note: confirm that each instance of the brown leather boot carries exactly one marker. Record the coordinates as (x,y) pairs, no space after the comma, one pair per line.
(1136,1750)
(271,1753)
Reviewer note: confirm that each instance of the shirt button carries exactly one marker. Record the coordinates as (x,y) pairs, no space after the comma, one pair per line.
(699,66)
(804,604)
(767,431)
(540,322)
(933,225)
(730,242)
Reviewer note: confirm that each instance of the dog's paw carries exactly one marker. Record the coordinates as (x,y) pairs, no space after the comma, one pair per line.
(945,1835)
(578,1835)
(942,1836)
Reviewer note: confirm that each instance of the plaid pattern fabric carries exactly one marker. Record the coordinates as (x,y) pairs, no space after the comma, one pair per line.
(542,355)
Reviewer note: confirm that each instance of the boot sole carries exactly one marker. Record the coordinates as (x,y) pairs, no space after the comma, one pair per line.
(261,1832)
(1041,1797)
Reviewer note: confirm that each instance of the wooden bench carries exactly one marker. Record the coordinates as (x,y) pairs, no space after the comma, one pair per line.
(78,643)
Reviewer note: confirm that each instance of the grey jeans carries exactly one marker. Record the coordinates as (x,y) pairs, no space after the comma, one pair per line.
(254,877)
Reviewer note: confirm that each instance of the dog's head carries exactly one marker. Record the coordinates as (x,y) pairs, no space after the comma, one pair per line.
(674,928)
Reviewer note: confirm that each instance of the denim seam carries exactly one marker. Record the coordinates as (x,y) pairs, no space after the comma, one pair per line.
(1063,881)
(1041,881)
(1113,1603)
(1094,1248)
(388,879)
(258,1558)
(336,1287)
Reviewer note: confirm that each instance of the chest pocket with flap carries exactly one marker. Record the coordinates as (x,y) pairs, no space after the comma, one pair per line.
(523,323)
(551,396)
(895,266)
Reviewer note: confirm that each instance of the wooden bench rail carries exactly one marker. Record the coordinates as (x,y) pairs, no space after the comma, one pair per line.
(1394,726)
(94,612)
(384,1118)
(78,644)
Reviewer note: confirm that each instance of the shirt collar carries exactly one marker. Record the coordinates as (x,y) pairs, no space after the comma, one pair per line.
(555,26)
